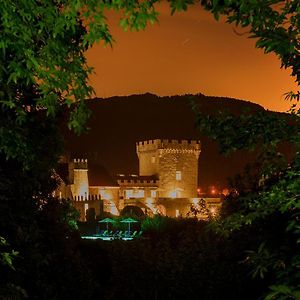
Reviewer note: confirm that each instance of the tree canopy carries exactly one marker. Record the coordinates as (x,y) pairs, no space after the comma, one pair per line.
(44,71)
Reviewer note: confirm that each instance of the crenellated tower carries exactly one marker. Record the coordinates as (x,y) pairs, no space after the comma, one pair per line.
(174,162)
(80,186)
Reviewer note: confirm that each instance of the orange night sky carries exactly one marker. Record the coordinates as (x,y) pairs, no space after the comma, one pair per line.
(188,52)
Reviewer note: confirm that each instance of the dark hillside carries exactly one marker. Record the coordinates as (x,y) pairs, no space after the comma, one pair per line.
(117,123)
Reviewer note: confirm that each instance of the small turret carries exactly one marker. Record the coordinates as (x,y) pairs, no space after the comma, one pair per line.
(80,186)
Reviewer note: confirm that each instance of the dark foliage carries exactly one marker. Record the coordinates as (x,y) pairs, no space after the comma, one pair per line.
(181,259)
(41,257)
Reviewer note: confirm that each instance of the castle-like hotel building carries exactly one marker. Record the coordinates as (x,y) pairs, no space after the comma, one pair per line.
(166,184)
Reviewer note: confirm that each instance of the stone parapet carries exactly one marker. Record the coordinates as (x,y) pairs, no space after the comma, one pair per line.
(168,144)
(136,181)
(87,198)
(80,163)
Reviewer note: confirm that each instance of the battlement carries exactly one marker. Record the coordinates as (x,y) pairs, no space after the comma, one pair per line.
(87,198)
(164,144)
(137,182)
(80,163)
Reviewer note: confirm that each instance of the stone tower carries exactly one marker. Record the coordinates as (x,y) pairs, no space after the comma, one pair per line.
(174,162)
(80,186)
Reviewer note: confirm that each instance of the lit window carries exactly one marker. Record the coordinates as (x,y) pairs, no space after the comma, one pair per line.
(128,194)
(153,159)
(139,194)
(177,214)
(178,175)
(175,194)
(153,194)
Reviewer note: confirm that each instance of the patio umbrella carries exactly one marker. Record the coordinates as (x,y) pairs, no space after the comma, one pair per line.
(107,220)
(129,221)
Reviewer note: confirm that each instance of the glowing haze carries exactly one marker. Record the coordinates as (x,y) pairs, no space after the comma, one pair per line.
(188,52)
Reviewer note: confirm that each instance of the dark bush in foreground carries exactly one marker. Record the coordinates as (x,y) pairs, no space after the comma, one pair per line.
(180,260)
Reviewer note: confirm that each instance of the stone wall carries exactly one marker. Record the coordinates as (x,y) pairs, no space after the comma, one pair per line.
(148,157)
(164,158)
(63,191)
(109,196)
(82,206)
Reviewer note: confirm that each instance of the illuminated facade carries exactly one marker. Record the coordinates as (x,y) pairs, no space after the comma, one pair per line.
(166,184)
(174,163)
(80,186)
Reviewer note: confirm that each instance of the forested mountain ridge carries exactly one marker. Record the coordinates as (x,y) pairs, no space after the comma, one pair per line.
(117,123)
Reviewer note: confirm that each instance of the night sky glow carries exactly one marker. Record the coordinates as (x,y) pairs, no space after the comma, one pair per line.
(188,52)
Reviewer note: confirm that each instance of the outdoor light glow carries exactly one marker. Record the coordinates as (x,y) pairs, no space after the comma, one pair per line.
(173,194)
(86,207)
(161,210)
(213,191)
(225,192)
(195,201)
(150,203)
(105,195)
(213,211)
(113,209)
